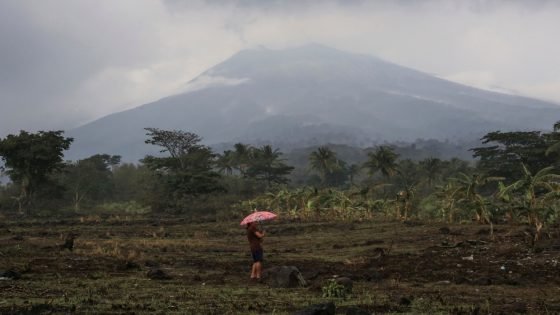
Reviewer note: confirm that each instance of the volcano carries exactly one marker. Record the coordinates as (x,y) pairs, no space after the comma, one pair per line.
(313,95)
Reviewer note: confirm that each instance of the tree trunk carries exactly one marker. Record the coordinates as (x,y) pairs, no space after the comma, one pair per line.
(23,198)
(76,202)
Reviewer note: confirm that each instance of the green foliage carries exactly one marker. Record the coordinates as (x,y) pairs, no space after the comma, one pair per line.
(534,193)
(131,182)
(333,289)
(313,203)
(331,170)
(468,196)
(188,171)
(30,158)
(265,164)
(191,177)
(507,151)
(429,209)
(6,197)
(90,179)
(384,160)
(431,168)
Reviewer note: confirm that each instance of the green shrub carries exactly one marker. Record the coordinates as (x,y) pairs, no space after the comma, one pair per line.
(334,290)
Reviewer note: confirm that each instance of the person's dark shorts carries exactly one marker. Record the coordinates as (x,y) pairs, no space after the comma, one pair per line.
(257,255)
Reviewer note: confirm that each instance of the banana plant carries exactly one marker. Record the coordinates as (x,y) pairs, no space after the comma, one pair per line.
(448,195)
(536,192)
(469,196)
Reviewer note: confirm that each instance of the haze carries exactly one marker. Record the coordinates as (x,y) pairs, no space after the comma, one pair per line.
(64,63)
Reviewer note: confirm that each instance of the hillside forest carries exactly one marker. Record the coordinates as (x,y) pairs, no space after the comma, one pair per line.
(514,177)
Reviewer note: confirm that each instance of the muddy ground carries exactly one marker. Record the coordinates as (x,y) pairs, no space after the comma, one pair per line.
(147,266)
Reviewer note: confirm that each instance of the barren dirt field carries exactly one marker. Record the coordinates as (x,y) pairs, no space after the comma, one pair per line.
(147,266)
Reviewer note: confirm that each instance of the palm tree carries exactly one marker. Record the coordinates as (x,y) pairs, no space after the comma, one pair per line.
(384,159)
(353,170)
(451,167)
(241,156)
(225,162)
(265,164)
(324,161)
(432,168)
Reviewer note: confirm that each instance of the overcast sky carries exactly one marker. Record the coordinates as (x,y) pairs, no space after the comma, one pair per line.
(67,62)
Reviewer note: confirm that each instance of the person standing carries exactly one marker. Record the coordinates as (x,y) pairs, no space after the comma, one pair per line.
(255,236)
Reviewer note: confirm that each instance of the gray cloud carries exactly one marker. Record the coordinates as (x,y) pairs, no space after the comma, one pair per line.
(65,62)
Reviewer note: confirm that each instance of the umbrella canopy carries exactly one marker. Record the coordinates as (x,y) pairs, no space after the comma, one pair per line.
(258,216)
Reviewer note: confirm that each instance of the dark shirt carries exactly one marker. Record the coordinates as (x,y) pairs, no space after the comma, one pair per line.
(254,240)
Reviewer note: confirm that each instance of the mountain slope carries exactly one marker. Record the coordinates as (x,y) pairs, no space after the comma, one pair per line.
(314,94)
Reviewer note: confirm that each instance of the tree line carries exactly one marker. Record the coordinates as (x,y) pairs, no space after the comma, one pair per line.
(513,179)
(186,175)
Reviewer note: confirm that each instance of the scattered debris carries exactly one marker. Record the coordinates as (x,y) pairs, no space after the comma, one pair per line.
(469,258)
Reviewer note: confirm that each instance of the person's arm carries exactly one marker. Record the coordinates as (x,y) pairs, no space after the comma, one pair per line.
(259,234)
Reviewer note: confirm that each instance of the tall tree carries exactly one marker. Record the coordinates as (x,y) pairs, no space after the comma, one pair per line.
(324,161)
(432,168)
(226,162)
(384,160)
(507,151)
(131,182)
(30,158)
(353,171)
(454,166)
(90,178)
(265,164)
(189,170)
(177,143)
(240,157)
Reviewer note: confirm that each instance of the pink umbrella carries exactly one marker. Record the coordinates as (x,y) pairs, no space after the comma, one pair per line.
(258,216)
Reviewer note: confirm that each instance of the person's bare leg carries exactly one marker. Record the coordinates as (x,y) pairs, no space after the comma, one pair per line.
(258,270)
(254,271)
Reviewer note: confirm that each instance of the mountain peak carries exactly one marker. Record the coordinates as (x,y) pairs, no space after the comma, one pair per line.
(313,93)
(292,61)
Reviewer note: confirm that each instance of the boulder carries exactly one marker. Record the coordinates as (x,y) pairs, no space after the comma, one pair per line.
(283,277)
(318,309)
